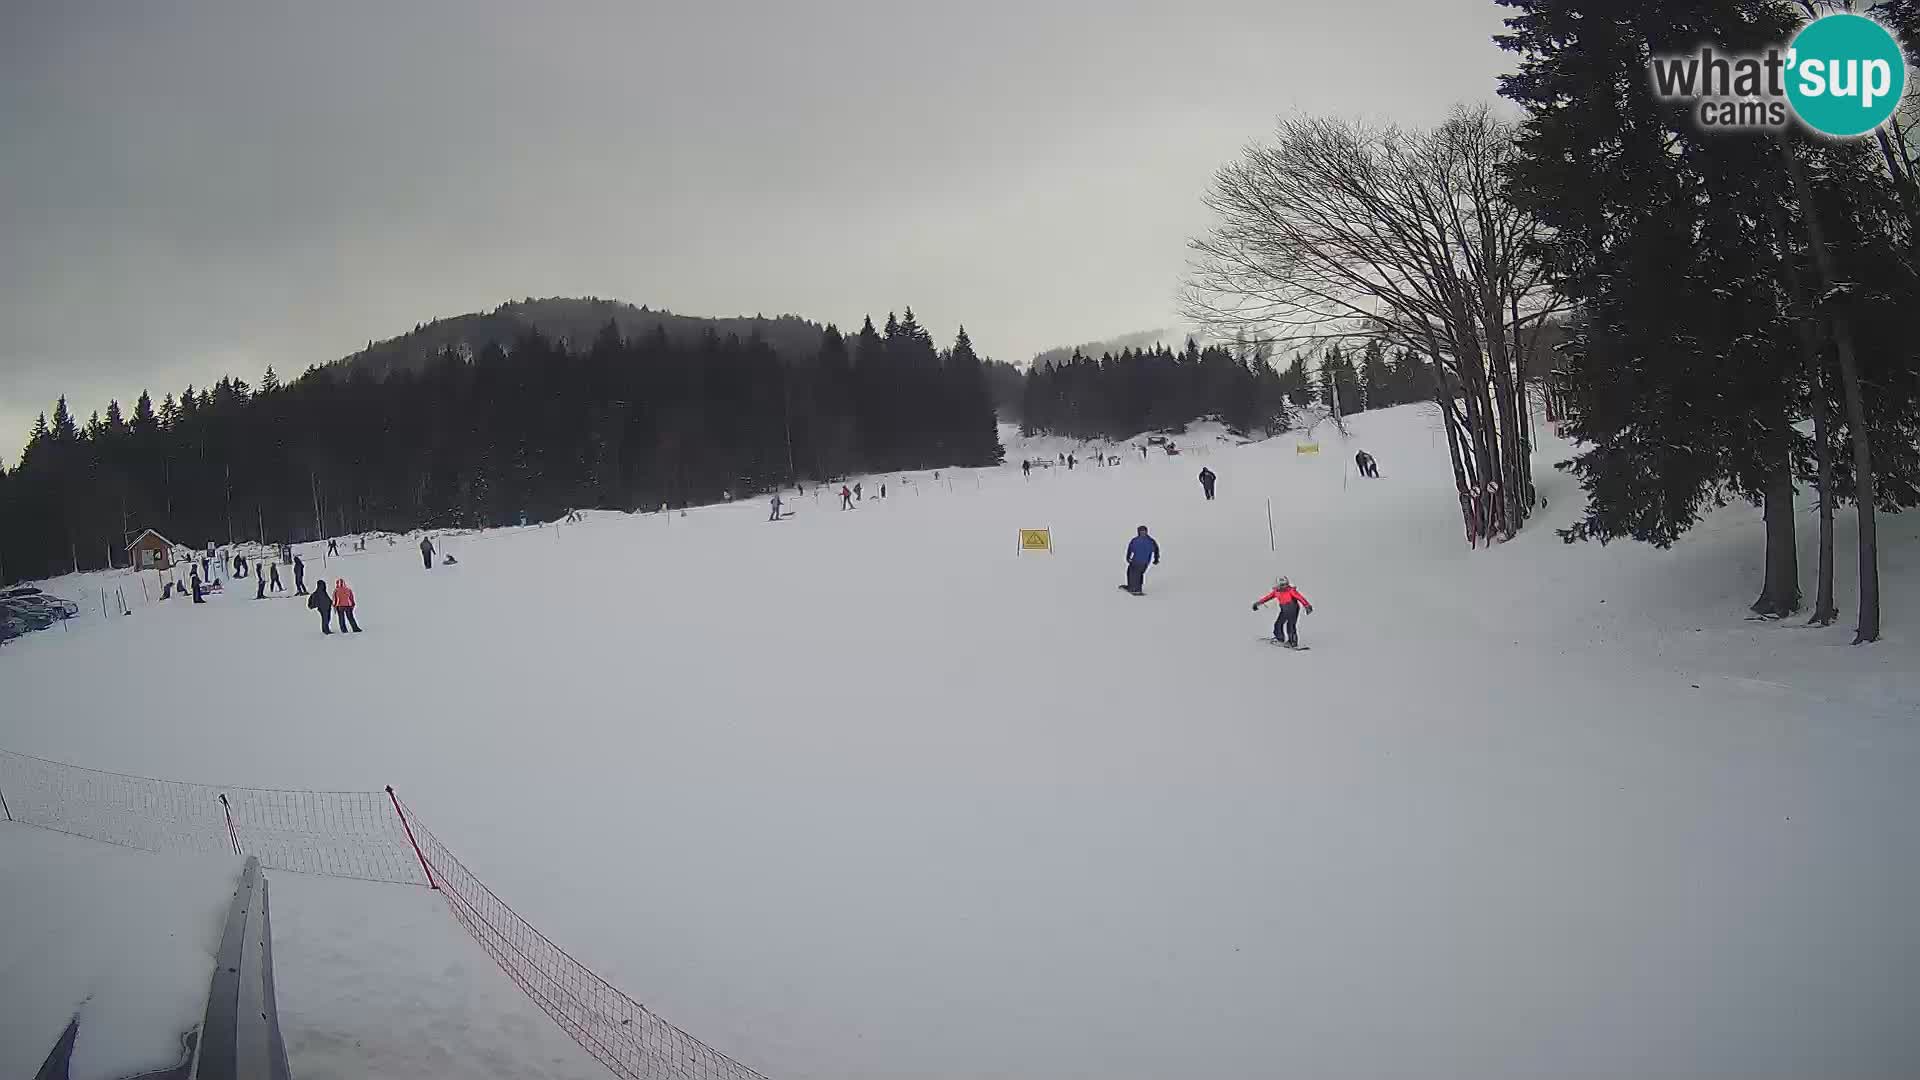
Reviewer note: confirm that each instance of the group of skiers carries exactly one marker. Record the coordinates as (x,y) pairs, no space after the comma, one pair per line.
(337,604)
(1144,551)
(854,494)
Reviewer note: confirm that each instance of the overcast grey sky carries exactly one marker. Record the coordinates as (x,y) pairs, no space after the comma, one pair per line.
(189,188)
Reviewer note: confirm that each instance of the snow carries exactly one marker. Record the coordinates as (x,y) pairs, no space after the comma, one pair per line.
(124,940)
(378,982)
(871,794)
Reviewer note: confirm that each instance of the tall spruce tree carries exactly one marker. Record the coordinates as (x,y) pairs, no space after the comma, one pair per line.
(1683,391)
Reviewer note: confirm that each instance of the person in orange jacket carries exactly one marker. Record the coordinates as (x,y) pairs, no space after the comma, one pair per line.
(343,607)
(1291,601)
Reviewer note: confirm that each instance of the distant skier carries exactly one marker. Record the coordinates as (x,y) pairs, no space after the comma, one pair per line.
(197,598)
(333,546)
(322,602)
(1367,466)
(1070,462)
(259,586)
(856,492)
(1026,469)
(1291,602)
(299,575)
(426,552)
(1142,551)
(883,491)
(274,581)
(846,497)
(343,606)
(774,511)
(1206,482)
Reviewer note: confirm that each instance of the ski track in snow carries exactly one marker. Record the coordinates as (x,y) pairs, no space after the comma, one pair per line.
(873,795)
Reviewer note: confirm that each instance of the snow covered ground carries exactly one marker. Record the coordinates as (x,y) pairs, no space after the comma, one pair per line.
(870,794)
(124,940)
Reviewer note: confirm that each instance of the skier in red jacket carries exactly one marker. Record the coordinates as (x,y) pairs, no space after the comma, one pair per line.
(1291,601)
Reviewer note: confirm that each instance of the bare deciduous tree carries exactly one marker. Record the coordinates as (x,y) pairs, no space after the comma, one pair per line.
(1336,230)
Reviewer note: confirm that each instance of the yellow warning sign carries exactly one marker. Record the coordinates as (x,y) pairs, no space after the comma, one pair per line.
(1307,448)
(1036,540)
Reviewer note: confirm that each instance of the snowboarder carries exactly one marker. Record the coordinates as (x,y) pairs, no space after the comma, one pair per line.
(856,491)
(321,602)
(426,552)
(1367,466)
(846,497)
(343,606)
(1206,482)
(299,575)
(774,513)
(1291,602)
(274,581)
(1142,550)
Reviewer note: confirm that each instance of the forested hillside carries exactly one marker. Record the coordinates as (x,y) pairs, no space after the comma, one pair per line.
(529,425)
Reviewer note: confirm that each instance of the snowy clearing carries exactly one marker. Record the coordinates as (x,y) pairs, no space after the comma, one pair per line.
(869,794)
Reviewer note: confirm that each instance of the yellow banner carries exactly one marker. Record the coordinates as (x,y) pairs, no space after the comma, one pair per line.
(1307,448)
(1036,540)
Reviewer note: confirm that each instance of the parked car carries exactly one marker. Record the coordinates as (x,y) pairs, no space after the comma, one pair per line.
(33,616)
(64,609)
(31,596)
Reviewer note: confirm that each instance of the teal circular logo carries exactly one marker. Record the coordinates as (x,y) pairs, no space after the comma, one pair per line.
(1845,75)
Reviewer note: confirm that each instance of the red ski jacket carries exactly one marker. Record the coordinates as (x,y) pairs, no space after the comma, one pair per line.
(1288,595)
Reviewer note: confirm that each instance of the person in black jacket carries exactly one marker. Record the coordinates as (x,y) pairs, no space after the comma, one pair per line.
(1206,482)
(322,602)
(299,575)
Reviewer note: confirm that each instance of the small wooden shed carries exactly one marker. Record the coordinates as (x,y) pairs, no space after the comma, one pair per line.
(150,551)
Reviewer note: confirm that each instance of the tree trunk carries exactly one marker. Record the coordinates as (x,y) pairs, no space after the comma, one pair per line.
(1808,333)
(1824,612)
(1868,628)
(1780,591)
(1461,480)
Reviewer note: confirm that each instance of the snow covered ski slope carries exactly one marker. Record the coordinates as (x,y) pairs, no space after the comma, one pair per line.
(873,794)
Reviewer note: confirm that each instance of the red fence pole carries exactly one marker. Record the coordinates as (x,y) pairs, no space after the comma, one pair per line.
(410,839)
(227,809)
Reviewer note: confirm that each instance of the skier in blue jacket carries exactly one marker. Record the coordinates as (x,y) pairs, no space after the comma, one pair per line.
(1141,551)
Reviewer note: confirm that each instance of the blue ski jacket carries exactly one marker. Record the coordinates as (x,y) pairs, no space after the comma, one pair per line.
(1143,550)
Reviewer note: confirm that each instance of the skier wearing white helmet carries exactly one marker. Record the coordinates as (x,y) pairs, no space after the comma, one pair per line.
(1292,601)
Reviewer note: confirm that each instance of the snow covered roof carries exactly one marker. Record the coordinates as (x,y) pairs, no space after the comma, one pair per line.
(144,533)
